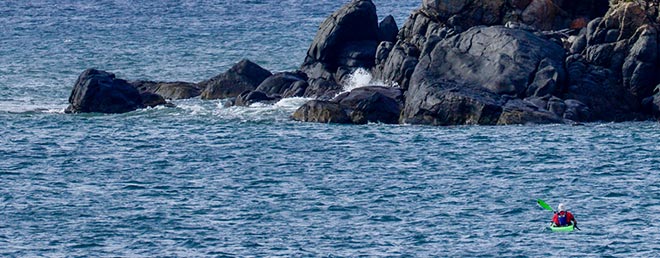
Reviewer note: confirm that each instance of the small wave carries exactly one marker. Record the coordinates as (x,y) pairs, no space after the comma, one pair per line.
(279,111)
(28,109)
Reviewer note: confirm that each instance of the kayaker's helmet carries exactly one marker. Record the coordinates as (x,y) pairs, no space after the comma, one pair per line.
(562,207)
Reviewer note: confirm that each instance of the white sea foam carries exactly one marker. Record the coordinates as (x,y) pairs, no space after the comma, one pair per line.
(361,78)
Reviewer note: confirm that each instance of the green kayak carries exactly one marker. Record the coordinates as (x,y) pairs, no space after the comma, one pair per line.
(562,229)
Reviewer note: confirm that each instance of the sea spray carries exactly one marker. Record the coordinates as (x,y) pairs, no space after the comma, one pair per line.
(360,78)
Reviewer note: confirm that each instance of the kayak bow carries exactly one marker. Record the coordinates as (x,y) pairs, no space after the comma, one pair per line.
(562,229)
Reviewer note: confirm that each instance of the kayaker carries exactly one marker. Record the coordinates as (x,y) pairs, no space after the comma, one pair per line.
(563,217)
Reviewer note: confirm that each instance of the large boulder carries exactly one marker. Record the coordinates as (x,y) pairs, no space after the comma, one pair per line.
(345,41)
(360,106)
(245,75)
(169,90)
(372,104)
(450,103)
(502,60)
(101,92)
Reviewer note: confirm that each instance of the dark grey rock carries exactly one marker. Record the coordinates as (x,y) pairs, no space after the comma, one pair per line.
(399,65)
(502,60)
(640,70)
(357,54)
(518,111)
(322,89)
(387,29)
(169,90)
(248,98)
(321,111)
(100,92)
(557,106)
(374,104)
(152,100)
(297,89)
(245,75)
(354,22)
(279,83)
(363,105)
(598,89)
(577,111)
(450,103)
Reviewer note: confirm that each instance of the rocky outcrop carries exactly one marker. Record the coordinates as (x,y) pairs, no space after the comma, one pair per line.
(482,76)
(345,41)
(502,60)
(169,90)
(374,104)
(541,14)
(616,69)
(245,75)
(101,92)
(453,62)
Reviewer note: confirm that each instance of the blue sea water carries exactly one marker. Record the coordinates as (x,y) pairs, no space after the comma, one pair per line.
(202,180)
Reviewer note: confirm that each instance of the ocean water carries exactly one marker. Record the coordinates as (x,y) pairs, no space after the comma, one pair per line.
(202,180)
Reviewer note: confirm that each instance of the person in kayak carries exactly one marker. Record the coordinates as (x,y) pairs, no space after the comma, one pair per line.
(563,217)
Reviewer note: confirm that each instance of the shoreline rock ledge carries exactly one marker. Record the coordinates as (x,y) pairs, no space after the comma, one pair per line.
(468,62)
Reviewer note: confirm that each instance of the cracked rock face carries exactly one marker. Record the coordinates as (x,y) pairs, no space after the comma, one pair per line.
(502,60)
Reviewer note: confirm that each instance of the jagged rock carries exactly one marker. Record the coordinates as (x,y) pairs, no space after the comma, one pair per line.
(399,64)
(169,90)
(450,103)
(598,88)
(245,75)
(100,92)
(387,29)
(542,14)
(640,70)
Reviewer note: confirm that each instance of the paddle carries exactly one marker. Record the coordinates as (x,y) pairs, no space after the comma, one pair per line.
(548,207)
(544,205)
